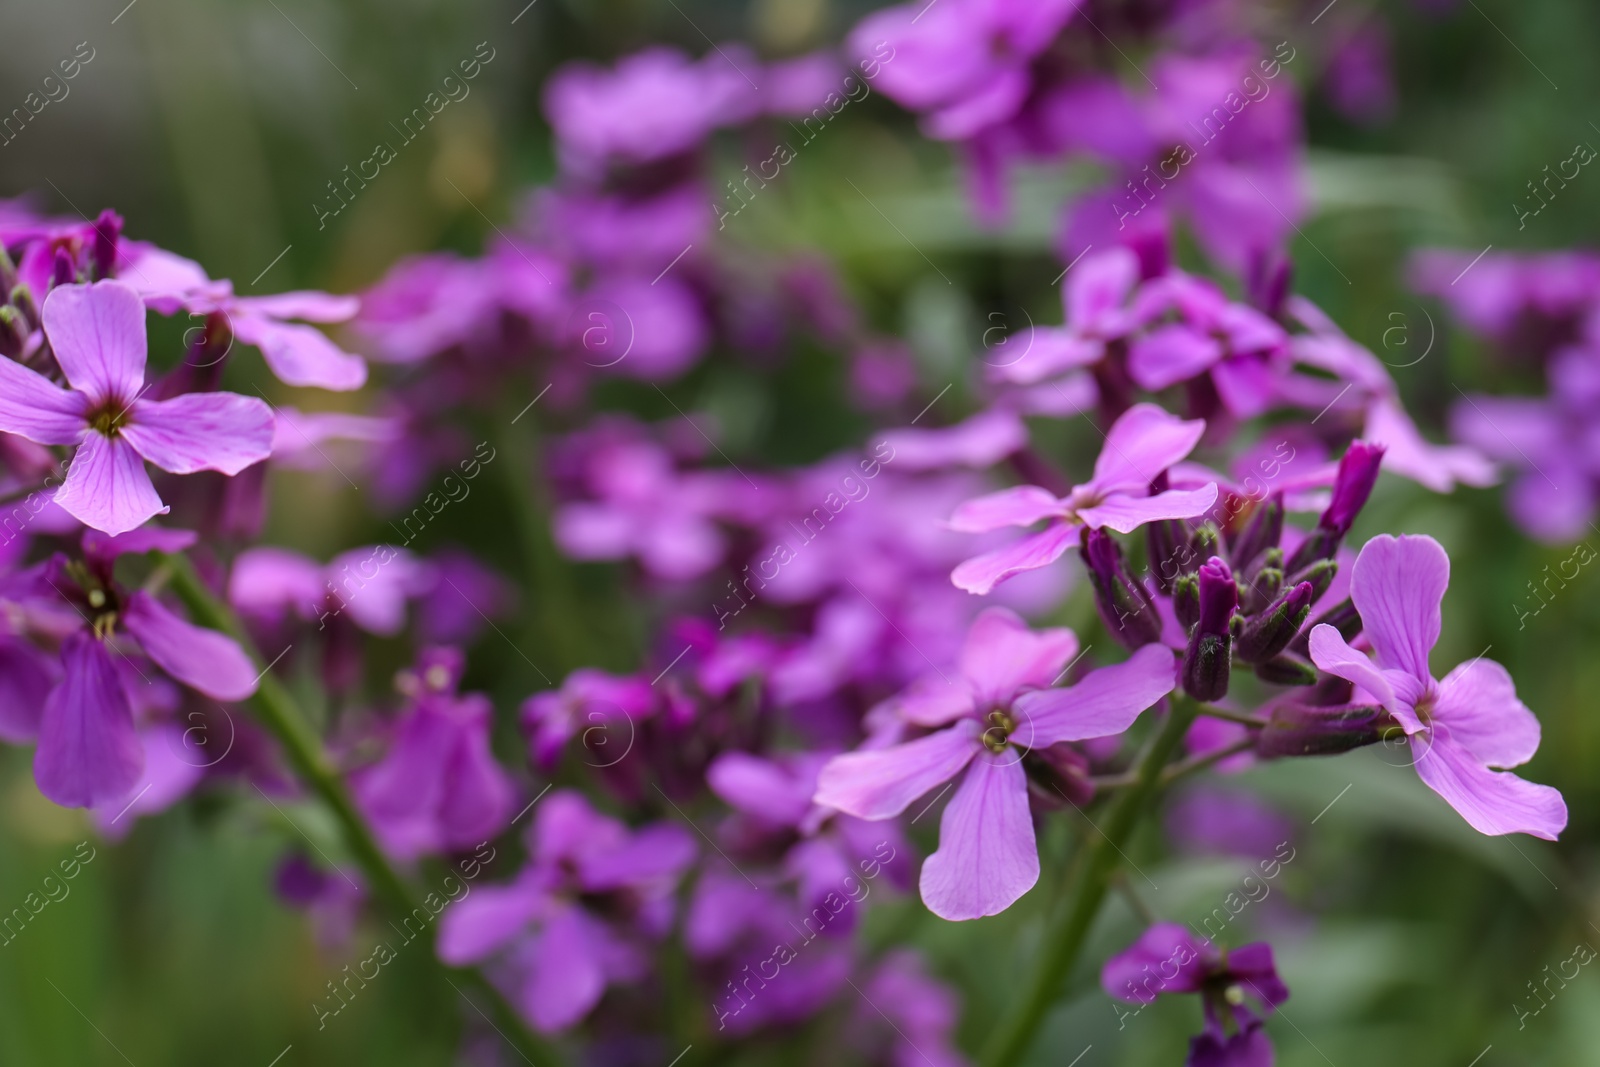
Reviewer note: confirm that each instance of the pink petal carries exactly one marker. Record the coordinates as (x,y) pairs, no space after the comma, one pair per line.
(1246,385)
(201,432)
(1045,352)
(1141,444)
(567,978)
(1398,586)
(97,332)
(107,487)
(987,855)
(308,304)
(880,783)
(202,659)
(1408,453)
(26,678)
(1331,653)
(168,777)
(982,573)
(34,407)
(1094,294)
(88,752)
(760,787)
(1125,513)
(483,921)
(137,542)
(1493,802)
(979,442)
(1478,709)
(1105,703)
(1021,505)
(933,701)
(1170,354)
(1002,655)
(302,355)
(267,580)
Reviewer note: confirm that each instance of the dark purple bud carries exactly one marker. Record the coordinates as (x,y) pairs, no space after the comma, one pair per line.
(1123,603)
(1207,660)
(1358,472)
(1300,730)
(1267,634)
(13,332)
(1203,544)
(1320,575)
(1342,617)
(1186,600)
(1153,248)
(65,272)
(1066,768)
(107,229)
(1267,286)
(22,299)
(1287,670)
(1263,590)
(1262,532)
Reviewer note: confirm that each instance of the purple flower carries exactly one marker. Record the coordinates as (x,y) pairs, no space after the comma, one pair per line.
(297,354)
(963,63)
(371,584)
(1168,959)
(997,708)
(589,702)
(97,334)
(89,752)
(1094,296)
(1208,334)
(439,787)
(1141,444)
(1459,728)
(560,933)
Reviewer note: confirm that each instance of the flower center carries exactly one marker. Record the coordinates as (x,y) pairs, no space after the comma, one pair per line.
(108,419)
(998,731)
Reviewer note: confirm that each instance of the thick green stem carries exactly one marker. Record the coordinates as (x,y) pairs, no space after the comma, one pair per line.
(1087,884)
(277,711)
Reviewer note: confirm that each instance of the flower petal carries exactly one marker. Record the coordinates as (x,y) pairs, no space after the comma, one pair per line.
(1493,802)
(201,432)
(302,355)
(478,924)
(566,978)
(987,855)
(1170,354)
(202,659)
(1105,703)
(97,333)
(1398,586)
(1021,505)
(1145,441)
(933,701)
(760,787)
(34,407)
(107,486)
(1126,514)
(1002,655)
(1331,653)
(26,676)
(880,783)
(982,573)
(89,752)
(1478,709)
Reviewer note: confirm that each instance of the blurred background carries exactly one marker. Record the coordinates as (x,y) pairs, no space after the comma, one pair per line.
(214,127)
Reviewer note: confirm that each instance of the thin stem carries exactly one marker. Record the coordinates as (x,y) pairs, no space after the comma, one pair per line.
(1187,767)
(1087,883)
(1242,717)
(277,710)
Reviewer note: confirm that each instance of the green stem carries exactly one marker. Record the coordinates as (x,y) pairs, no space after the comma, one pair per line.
(277,710)
(1087,884)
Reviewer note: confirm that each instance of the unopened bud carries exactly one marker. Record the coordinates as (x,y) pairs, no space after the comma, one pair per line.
(1186,600)
(1267,634)
(1208,658)
(1298,730)
(1124,605)
(107,228)
(1342,617)
(1287,670)
(1260,533)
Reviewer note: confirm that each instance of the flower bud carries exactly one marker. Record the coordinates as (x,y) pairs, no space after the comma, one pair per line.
(1342,617)
(13,332)
(1268,633)
(64,272)
(1287,670)
(1358,472)
(1207,661)
(107,228)
(21,298)
(1260,533)
(1204,542)
(1168,549)
(1320,576)
(1066,768)
(1186,600)
(1298,730)
(1124,605)
(1263,590)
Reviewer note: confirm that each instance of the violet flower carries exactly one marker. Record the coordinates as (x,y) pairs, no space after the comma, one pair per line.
(997,708)
(565,929)
(1168,959)
(98,336)
(1140,445)
(1459,728)
(439,788)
